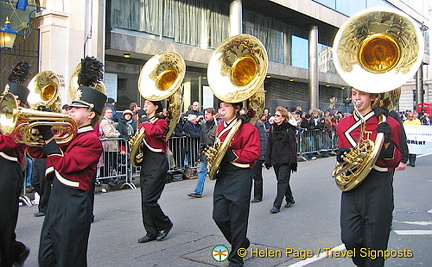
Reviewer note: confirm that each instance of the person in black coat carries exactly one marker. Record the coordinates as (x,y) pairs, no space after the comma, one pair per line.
(257,168)
(282,155)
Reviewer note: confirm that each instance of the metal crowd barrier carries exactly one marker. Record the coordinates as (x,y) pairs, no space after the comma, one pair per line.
(184,153)
(316,142)
(115,165)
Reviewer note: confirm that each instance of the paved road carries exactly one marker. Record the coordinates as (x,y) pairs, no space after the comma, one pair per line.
(311,224)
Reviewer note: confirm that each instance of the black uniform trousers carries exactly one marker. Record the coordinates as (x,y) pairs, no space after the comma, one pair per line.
(152,182)
(66,228)
(283,175)
(40,184)
(11,183)
(366,216)
(258,180)
(231,203)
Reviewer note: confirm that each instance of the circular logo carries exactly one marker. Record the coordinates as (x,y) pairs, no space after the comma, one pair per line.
(220,253)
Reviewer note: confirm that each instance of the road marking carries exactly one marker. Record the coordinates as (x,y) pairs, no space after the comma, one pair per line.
(320,256)
(429,211)
(423,155)
(418,223)
(413,232)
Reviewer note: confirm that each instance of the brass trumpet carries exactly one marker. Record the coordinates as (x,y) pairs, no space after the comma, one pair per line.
(24,122)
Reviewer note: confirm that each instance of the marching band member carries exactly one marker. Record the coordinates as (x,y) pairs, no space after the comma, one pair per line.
(66,228)
(366,211)
(153,173)
(12,252)
(232,191)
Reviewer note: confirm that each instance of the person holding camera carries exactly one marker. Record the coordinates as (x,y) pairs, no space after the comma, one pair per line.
(208,130)
(282,155)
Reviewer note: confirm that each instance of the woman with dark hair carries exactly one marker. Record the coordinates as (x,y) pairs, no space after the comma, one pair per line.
(282,155)
(154,168)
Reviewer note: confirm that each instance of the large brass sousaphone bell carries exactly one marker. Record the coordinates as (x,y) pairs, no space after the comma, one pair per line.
(23,122)
(236,73)
(160,78)
(375,51)
(74,85)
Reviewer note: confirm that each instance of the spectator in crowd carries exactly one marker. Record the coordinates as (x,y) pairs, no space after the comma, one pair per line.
(111,147)
(111,104)
(192,129)
(424,118)
(325,127)
(134,107)
(195,110)
(412,120)
(266,112)
(154,168)
(207,138)
(282,155)
(332,103)
(347,104)
(127,127)
(308,125)
(257,168)
(403,146)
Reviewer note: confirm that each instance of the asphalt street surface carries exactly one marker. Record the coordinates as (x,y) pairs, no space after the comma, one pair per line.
(300,235)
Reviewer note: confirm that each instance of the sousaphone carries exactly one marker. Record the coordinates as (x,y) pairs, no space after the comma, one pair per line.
(236,72)
(160,78)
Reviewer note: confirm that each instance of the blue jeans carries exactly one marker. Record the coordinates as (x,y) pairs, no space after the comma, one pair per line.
(201,179)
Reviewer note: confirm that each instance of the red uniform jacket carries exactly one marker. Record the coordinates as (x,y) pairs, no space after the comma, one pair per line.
(11,150)
(75,164)
(245,144)
(348,131)
(155,138)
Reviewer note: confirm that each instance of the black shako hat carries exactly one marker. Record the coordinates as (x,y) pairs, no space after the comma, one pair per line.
(18,90)
(90,98)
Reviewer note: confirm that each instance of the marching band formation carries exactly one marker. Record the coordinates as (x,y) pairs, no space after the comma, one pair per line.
(369,142)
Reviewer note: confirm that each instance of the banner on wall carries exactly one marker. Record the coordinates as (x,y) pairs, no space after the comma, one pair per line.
(207,98)
(419,139)
(110,81)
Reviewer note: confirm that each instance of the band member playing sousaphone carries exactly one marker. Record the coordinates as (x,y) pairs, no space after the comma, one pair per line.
(232,191)
(374,59)
(66,228)
(153,173)
(12,252)
(366,211)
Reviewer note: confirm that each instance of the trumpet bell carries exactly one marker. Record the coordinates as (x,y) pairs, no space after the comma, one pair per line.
(377,50)
(237,68)
(8,114)
(161,76)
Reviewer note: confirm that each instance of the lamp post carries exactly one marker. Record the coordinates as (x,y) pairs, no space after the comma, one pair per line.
(7,35)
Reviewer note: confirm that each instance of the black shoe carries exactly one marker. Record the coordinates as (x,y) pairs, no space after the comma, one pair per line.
(274,210)
(412,165)
(146,238)
(196,195)
(21,257)
(163,233)
(247,243)
(39,214)
(288,204)
(256,200)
